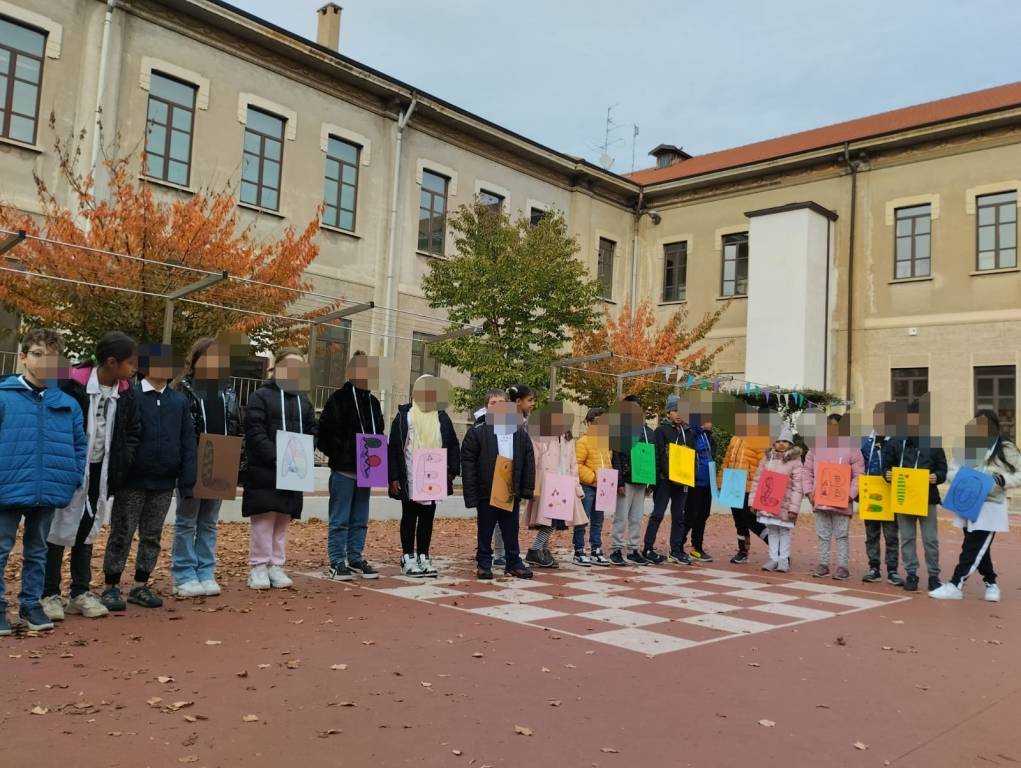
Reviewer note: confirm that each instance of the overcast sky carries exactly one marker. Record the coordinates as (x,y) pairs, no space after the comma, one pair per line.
(699,74)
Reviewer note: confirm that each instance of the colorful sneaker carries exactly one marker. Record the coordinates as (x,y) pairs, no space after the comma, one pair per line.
(278,578)
(87,605)
(948,591)
(635,558)
(872,576)
(211,588)
(821,571)
(144,596)
(700,556)
(188,589)
(597,558)
(363,570)
(258,577)
(679,558)
(338,572)
(580,559)
(894,578)
(53,607)
(410,567)
(992,593)
(35,617)
(113,599)
(426,566)
(654,557)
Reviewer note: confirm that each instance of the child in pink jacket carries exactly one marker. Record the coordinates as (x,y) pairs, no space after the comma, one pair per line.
(833,522)
(784,458)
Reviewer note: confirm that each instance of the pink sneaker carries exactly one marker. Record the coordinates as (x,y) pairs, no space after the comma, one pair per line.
(821,571)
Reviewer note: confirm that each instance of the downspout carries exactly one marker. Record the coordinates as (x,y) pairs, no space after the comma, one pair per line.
(826,332)
(634,253)
(101,85)
(853,167)
(393,263)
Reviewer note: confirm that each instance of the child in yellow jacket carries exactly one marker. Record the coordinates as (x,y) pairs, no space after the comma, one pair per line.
(593,452)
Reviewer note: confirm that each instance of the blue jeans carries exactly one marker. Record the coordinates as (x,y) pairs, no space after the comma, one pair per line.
(595,526)
(33,569)
(349,519)
(194,554)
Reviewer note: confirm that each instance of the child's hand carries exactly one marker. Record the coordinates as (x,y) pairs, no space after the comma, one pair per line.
(888,476)
(395,487)
(932,479)
(620,491)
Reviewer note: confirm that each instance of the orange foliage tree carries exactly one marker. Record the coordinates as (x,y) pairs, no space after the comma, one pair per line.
(127,240)
(637,343)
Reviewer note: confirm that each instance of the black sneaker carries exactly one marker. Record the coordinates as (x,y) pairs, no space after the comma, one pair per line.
(679,558)
(339,572)
(740,557)
(5,627)
(35,617)
(934,583)
(700,556)
(500,562)
(872,576)
(543,558)
(144,597)
(113,599)
(362,569)
(653,557)
(911,583)
(894,578)
(597,558)
(636,557)
(533,556)
(484,573)
(616,558)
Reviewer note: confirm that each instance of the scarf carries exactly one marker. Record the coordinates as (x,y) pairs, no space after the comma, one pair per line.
(425,428)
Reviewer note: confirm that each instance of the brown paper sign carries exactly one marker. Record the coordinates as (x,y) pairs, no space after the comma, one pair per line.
(219,457)
(502,495)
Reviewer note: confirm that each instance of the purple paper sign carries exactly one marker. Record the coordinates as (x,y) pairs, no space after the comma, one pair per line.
(371,469)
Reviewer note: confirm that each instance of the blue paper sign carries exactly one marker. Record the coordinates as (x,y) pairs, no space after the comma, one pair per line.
(734,483)
(968,493)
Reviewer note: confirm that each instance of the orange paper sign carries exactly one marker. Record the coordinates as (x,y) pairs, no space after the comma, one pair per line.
(832,485)
(771,492)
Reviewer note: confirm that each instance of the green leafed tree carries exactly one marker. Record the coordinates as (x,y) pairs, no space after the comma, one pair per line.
(525,287)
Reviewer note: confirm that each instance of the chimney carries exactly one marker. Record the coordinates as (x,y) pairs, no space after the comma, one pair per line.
(328,32)
(667,155)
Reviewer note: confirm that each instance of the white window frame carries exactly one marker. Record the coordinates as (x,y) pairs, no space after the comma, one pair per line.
(496,189)
(346,134)
(439,169)
(150,65)
(246,100)
(54,31)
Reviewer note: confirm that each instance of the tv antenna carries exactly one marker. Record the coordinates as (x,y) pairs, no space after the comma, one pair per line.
(609,139)
(634,144)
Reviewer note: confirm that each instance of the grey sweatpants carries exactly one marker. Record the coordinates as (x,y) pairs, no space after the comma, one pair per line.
(135,509)
(830,525)
(874,531)
(627,518)
(907,529)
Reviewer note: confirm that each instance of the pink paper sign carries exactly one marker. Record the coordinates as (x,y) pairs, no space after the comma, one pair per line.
(558,496)
(606,490)
(428,474)
(371,468)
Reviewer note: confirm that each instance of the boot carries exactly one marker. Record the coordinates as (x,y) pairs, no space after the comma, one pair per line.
(742,551)
(548,560)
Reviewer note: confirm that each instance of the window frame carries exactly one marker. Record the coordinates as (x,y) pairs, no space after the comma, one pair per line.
(995,226)
(996,374)
(421,340)
(341,163)
(903,375)
(680,270)
(495,207)
(604,275)
(912,238)
(259,186)
(736,239)
(11,75)
(433,195)
(171,107)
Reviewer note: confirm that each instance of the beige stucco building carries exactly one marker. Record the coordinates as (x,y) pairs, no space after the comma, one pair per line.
(879,259)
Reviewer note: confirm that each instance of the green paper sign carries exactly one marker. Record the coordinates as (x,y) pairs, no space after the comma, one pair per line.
(643,464)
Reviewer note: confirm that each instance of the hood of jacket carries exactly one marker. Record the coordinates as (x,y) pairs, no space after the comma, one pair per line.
(81,374)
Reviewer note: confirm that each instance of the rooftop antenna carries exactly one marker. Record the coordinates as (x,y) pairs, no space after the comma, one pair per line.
(634,143)
(609,140)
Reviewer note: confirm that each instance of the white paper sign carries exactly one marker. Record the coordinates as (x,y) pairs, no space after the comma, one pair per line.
(295,461)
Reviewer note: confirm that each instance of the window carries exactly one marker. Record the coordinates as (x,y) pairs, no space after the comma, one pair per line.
(997,231)
(604,266)
(675,271)
(421,362)
(735,265)
(432,213)
(535,215)
(912,246)
(491,200)
(262,159)
(908,384)
(168,126)
(333,349)
(996,389)
(21,74)
(340,186)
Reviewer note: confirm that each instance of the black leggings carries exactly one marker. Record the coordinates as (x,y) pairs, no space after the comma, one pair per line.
(416,519)
(745,521)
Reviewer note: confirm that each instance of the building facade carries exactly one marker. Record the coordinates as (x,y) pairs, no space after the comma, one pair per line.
(874,259)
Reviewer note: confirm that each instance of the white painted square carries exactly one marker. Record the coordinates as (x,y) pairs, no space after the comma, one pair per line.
(672,591)
(812,586)
(662,570)
(516,595)
(716,573)
(794,611)
(422,592)
(517,612)
(642,641)
(699,606)
(847,600)
(725,623)
(661,580)
(523,584)
(600,587)
(737,583)
(762,595)
(623,618)
(608,601)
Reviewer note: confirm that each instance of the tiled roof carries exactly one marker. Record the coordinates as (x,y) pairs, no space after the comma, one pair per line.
(977,102)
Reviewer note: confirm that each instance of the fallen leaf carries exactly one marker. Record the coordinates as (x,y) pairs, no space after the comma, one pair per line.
(340,667)
(347,704)
(114,733)
(456,752)
(898,621)
(368,642)
(555,702)
(188,759)
(477,655)
(426,685)
(179,705)
(860,745)
(329,732)
(38,710)
(214,642)
(293,664)
(822,706)
(841,641)
(887,648)
(164,679)
(243,673)
(190,719)
(766,723)
(754,664)
(523,731)
(545,669)
(250,719)
(153,701)
(265,666)
(609,750)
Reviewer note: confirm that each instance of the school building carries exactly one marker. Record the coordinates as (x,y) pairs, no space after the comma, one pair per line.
(875,258)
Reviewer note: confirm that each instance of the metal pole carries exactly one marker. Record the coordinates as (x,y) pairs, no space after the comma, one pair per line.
(168,321)
(553,381)
(620,387)
(180,293)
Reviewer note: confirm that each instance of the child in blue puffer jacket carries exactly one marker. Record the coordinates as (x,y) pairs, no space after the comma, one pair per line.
(42,440)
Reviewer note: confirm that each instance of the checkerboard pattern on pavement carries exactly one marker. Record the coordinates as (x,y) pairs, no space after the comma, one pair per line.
(649,610)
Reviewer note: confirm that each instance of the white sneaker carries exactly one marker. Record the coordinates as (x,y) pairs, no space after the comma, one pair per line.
(582,560)
(426,566)
(53,607)
(948,591)
(258,577)
(411,567)
(278,579)
(211,588)
(189,589)
(783,565)
(992,593)
(87,605)
(770,565)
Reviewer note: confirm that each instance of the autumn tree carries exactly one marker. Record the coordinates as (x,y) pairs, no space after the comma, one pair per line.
(137,248)
(637,343)
(523,284)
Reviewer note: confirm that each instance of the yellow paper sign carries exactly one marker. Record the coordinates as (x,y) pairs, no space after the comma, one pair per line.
(682,465)
(909,492)
(874,499)
(502,494)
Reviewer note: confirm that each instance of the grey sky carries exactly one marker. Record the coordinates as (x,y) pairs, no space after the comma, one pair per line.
(705,75)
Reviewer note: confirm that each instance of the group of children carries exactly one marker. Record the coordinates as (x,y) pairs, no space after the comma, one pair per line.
(115,439)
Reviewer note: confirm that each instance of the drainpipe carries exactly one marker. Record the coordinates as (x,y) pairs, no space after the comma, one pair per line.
(101,86)
(393,262)
(853,167)
(634,254)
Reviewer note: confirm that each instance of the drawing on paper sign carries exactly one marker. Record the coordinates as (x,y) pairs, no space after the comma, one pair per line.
(370,459)
(968,492)
(429,474)
(296,461)
(770,492)
(901,488)
(558,496)
(208,476)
